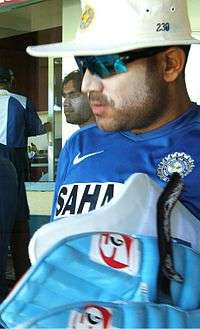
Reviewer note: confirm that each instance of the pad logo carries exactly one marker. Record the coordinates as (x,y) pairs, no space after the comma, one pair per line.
(93,316)
(120,252)
(181,163)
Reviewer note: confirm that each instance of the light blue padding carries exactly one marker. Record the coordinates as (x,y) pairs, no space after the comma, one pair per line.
(66,274)
(130,315)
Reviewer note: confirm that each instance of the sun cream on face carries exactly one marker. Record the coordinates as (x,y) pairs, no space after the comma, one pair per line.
(77,108)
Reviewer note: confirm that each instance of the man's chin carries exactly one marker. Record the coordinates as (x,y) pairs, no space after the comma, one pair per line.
(107,125)
(72,122)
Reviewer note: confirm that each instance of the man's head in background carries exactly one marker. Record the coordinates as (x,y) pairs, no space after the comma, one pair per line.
(6,78)
(76,106)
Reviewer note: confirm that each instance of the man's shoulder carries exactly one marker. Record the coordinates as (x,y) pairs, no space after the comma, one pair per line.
(189,121)
(20,98)
(195,110)
(196,113)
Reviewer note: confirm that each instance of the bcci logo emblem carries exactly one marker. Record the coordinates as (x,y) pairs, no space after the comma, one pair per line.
(176,162)
(86,18)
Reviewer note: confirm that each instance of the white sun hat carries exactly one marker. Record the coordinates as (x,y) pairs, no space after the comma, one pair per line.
(113,26)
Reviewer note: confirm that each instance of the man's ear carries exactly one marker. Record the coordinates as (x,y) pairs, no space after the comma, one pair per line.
(173,63)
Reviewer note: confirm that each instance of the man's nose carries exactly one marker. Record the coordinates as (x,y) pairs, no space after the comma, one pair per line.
(91,82)
(67,102)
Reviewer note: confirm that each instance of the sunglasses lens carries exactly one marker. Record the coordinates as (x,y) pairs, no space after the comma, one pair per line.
(96,66)
(103,66)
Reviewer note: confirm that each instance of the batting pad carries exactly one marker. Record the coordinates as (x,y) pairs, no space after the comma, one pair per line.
(103,267)
(115,315)
(133,211)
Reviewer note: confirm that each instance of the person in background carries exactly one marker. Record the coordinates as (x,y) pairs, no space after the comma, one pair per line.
(8,204)
(76,106)
(19,120)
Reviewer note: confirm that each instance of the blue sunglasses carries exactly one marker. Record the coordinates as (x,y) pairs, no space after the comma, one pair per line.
(106,65)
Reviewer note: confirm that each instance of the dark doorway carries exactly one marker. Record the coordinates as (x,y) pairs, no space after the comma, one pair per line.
(31,74)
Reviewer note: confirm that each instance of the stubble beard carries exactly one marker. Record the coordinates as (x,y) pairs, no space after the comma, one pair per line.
(134,116)
(138,111)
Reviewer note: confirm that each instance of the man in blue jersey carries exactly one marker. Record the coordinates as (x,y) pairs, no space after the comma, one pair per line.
(19,120)
(134,77)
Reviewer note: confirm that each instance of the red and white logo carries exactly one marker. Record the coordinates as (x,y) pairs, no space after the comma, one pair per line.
(93,317)
(121,252)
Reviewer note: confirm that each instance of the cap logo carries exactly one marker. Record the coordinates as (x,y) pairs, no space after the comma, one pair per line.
(181,163)
(86,17)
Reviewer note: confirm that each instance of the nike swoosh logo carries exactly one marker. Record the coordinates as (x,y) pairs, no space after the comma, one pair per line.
(78,159)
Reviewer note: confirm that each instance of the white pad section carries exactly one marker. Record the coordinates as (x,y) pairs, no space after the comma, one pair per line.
(133,211)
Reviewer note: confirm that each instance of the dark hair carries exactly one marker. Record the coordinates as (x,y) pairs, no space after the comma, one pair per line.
(5,74)
(74,76)
(186,49)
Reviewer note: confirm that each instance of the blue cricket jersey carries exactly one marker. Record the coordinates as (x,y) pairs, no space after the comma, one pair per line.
(94,164)
(18,120)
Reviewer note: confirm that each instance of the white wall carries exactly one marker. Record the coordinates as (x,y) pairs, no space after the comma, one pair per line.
(71,17)
(193,65)
(193,73)
(68,129)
